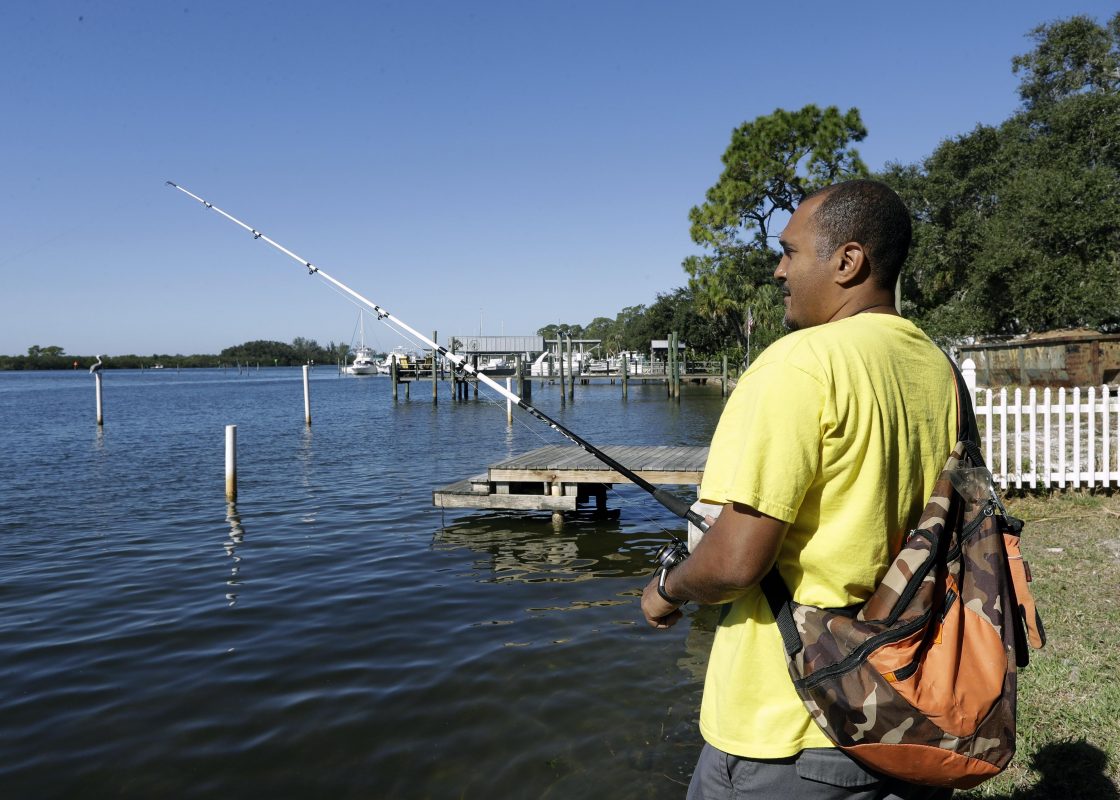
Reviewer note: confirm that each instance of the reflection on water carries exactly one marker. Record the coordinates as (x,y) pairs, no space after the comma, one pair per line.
(701,632)
(236,537)
(530,550)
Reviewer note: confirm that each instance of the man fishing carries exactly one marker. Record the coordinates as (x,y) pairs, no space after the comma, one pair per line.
(822,460)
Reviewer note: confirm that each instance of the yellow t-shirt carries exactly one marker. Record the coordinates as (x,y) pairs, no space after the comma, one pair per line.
(840,430)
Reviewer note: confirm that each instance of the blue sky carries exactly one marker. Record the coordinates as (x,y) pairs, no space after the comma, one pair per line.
(464,164)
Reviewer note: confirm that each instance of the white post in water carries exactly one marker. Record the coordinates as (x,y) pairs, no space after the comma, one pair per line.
(97,384)
(509,403)
(306,396)
(231,463)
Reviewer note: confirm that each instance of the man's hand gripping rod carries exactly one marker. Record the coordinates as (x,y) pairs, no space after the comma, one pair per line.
(669,555)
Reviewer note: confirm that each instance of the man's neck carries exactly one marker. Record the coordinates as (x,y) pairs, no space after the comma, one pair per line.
(879,303)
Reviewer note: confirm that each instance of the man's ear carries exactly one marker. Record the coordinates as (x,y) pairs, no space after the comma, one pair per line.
(853,267)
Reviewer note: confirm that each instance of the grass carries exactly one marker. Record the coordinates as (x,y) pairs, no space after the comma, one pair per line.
(1069,695)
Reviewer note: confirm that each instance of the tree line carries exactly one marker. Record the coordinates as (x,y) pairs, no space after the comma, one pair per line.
(1015,225)
(264,352)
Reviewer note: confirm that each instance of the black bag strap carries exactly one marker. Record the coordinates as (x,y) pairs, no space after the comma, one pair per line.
(967,430)
(778,596)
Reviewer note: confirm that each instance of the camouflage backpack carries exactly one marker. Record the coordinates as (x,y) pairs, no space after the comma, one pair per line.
(918,682)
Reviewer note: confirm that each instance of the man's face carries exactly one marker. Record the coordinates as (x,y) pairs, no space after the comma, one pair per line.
(802,277)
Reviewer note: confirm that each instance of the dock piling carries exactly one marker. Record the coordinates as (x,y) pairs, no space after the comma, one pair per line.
(524,384)
(306,395)
(97,390)
(571,373)
(435,369)
(231,463)
(560,365)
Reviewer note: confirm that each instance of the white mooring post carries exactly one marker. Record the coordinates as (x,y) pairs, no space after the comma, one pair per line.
(97,385)
(306,396)
(231,463)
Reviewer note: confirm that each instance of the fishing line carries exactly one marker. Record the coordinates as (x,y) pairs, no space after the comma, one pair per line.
(664,497)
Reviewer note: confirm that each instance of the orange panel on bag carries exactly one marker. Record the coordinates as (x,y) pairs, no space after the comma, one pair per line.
(954,700)
(919,763)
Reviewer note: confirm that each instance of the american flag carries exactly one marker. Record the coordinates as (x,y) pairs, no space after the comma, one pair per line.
(750,319)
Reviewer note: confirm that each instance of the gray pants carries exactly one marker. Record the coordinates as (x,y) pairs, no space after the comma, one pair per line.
(822,773)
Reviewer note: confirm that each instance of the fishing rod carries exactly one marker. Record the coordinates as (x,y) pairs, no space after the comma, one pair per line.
(672,553)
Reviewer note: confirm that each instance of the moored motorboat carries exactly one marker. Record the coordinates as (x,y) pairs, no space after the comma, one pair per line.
(407,363)
(364,362)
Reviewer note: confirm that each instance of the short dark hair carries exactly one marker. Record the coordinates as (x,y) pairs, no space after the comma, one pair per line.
(868,212)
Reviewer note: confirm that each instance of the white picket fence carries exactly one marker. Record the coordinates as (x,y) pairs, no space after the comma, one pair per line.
(1053,439)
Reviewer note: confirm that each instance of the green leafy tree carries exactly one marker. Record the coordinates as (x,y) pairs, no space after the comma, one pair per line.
(1071,56)
(770,166)
(552,330)
(1015,224)
(262,351)
(606,330)
(305,349)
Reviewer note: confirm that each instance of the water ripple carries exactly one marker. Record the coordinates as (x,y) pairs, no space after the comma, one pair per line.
(331,634)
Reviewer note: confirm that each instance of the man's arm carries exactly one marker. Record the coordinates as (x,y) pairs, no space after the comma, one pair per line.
(734,555)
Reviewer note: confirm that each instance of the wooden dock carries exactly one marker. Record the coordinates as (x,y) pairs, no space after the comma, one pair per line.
(562,478)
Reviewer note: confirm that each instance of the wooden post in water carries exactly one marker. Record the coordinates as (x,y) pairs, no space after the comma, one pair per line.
(571,372)
(393,376)
(668,362)
(524,384)
(474,363)
(306,395)
(676,365)
(669,365)
(231,463)
(560,365)
(509,403)
(557,490)
(435,369)
(625,361)
(724,389)
(452,375)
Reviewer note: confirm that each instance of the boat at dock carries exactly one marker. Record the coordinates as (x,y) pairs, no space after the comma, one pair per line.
(498,366)
(365,362)
(407,363)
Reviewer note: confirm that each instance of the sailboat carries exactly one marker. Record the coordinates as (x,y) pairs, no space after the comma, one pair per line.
(364,362)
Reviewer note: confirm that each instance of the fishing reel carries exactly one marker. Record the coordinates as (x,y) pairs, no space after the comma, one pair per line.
(670,554)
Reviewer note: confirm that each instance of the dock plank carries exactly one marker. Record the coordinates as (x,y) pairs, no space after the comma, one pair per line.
(658,464)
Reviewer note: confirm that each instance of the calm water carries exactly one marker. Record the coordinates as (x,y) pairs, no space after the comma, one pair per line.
(333,635)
